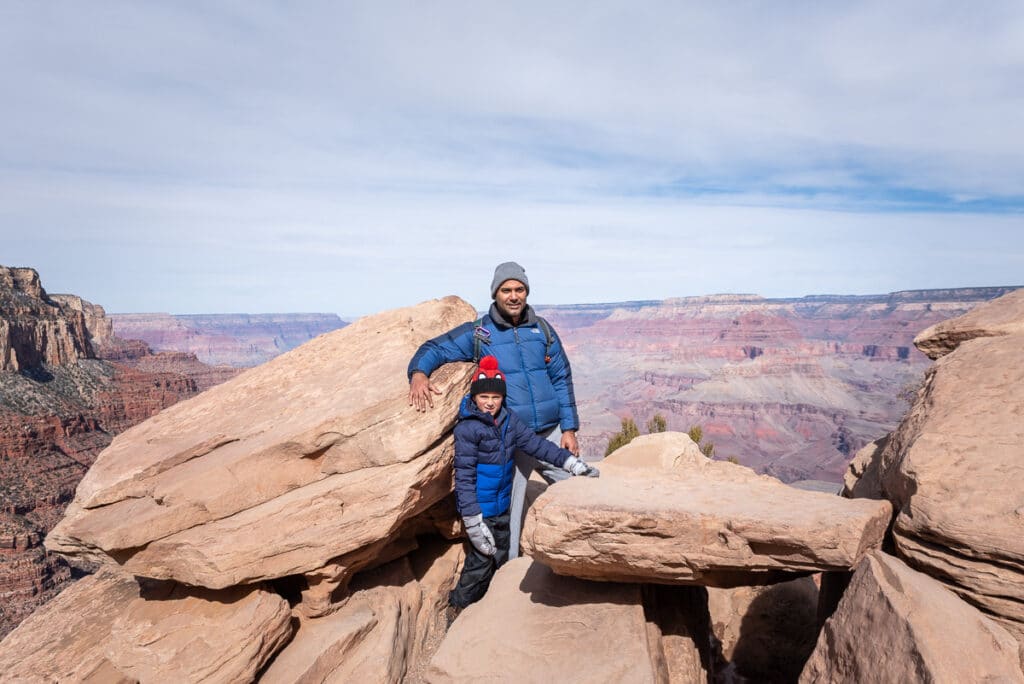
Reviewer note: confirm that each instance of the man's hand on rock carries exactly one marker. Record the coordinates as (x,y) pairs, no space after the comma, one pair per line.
(420,391)
(569,442)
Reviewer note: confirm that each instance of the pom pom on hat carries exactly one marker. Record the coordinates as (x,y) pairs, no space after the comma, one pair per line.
(488,378)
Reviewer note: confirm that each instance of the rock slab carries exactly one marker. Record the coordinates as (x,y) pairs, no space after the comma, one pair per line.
(106,628)
(533,626)
(662,512)
(311,456)
(1001,316)
(894,624)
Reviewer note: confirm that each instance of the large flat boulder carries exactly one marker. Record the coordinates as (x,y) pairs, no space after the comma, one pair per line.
(1001,316)
(107,628)
(894,624)
(677,517)
(309,457)
(534,626)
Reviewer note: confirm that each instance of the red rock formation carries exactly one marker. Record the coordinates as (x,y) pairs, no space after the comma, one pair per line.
(60,406)
(35,329)
(791,387)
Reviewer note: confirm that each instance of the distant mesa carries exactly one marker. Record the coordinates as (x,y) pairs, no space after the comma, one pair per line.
(237,340)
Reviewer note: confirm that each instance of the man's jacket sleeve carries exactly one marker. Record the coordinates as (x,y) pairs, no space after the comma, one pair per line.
(454,345)
(465,471)
(535,445)
(561,379)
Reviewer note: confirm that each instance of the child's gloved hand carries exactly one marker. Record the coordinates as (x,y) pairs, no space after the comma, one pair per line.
(577,466)
(479,534)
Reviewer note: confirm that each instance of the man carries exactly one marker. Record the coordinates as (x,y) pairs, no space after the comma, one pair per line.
(537,373)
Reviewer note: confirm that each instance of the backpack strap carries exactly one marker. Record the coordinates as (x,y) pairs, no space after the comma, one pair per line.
(548,336)
(481,336)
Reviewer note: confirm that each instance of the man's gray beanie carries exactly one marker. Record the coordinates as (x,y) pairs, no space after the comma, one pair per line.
(509,270)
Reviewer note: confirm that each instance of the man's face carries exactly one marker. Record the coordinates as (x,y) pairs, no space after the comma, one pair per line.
(511,299)
(488,402)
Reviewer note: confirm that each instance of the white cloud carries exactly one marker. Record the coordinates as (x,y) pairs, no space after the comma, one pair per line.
(360,151)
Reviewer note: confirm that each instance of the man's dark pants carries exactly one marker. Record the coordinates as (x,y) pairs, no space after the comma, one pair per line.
(478,568)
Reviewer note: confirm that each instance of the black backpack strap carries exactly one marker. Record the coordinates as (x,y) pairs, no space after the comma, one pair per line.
(479,338)
(548,336)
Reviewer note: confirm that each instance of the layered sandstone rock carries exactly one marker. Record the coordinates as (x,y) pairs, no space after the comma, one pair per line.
(1004,316)
(534,626)
(957,481)
(383,631)
(953,467)
(897,625)
(35,329)
(106,628)
(662,512)
(302,460)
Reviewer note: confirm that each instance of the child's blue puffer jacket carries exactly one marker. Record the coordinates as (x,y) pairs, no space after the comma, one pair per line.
(483,458)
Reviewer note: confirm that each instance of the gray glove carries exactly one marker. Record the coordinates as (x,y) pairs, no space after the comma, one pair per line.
(479,534)
(577,466)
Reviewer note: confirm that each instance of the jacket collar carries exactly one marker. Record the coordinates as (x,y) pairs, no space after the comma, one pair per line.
(528,317)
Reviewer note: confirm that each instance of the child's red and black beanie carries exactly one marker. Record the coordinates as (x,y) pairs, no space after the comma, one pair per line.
(488,378)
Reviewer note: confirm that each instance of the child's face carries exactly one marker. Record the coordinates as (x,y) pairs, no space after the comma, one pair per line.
(488,402)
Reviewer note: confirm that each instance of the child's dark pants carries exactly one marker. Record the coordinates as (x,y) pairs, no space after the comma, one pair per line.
(479,569)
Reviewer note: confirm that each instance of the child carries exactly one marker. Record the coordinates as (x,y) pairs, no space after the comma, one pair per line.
(486,437)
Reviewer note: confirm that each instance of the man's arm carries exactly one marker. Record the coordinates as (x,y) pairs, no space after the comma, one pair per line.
(454,345)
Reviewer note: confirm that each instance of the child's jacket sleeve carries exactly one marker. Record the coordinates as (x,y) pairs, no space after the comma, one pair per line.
(535,445)
(466,450)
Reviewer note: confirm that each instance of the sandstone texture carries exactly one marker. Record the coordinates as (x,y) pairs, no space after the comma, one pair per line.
(1002,317)
(534,626)
(662,512)
(309,457)
(953,469)
(897,625)
(384,631)
(106,628)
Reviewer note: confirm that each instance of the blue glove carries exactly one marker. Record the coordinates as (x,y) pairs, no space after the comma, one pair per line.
(479,534)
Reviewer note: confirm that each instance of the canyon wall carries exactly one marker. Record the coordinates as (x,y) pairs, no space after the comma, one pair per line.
(790,387)
(67,386)
(239,340)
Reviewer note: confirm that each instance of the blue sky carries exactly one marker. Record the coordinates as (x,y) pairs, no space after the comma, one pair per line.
(351,157)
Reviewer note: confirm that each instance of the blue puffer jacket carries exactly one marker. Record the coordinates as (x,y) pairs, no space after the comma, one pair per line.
(483,458)
(539,392)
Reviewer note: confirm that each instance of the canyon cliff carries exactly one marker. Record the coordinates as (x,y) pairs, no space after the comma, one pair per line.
(239,340)
(789,387)
(295,523)
(67,386)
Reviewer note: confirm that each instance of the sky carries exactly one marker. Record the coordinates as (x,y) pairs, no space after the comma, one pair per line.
(351,157)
